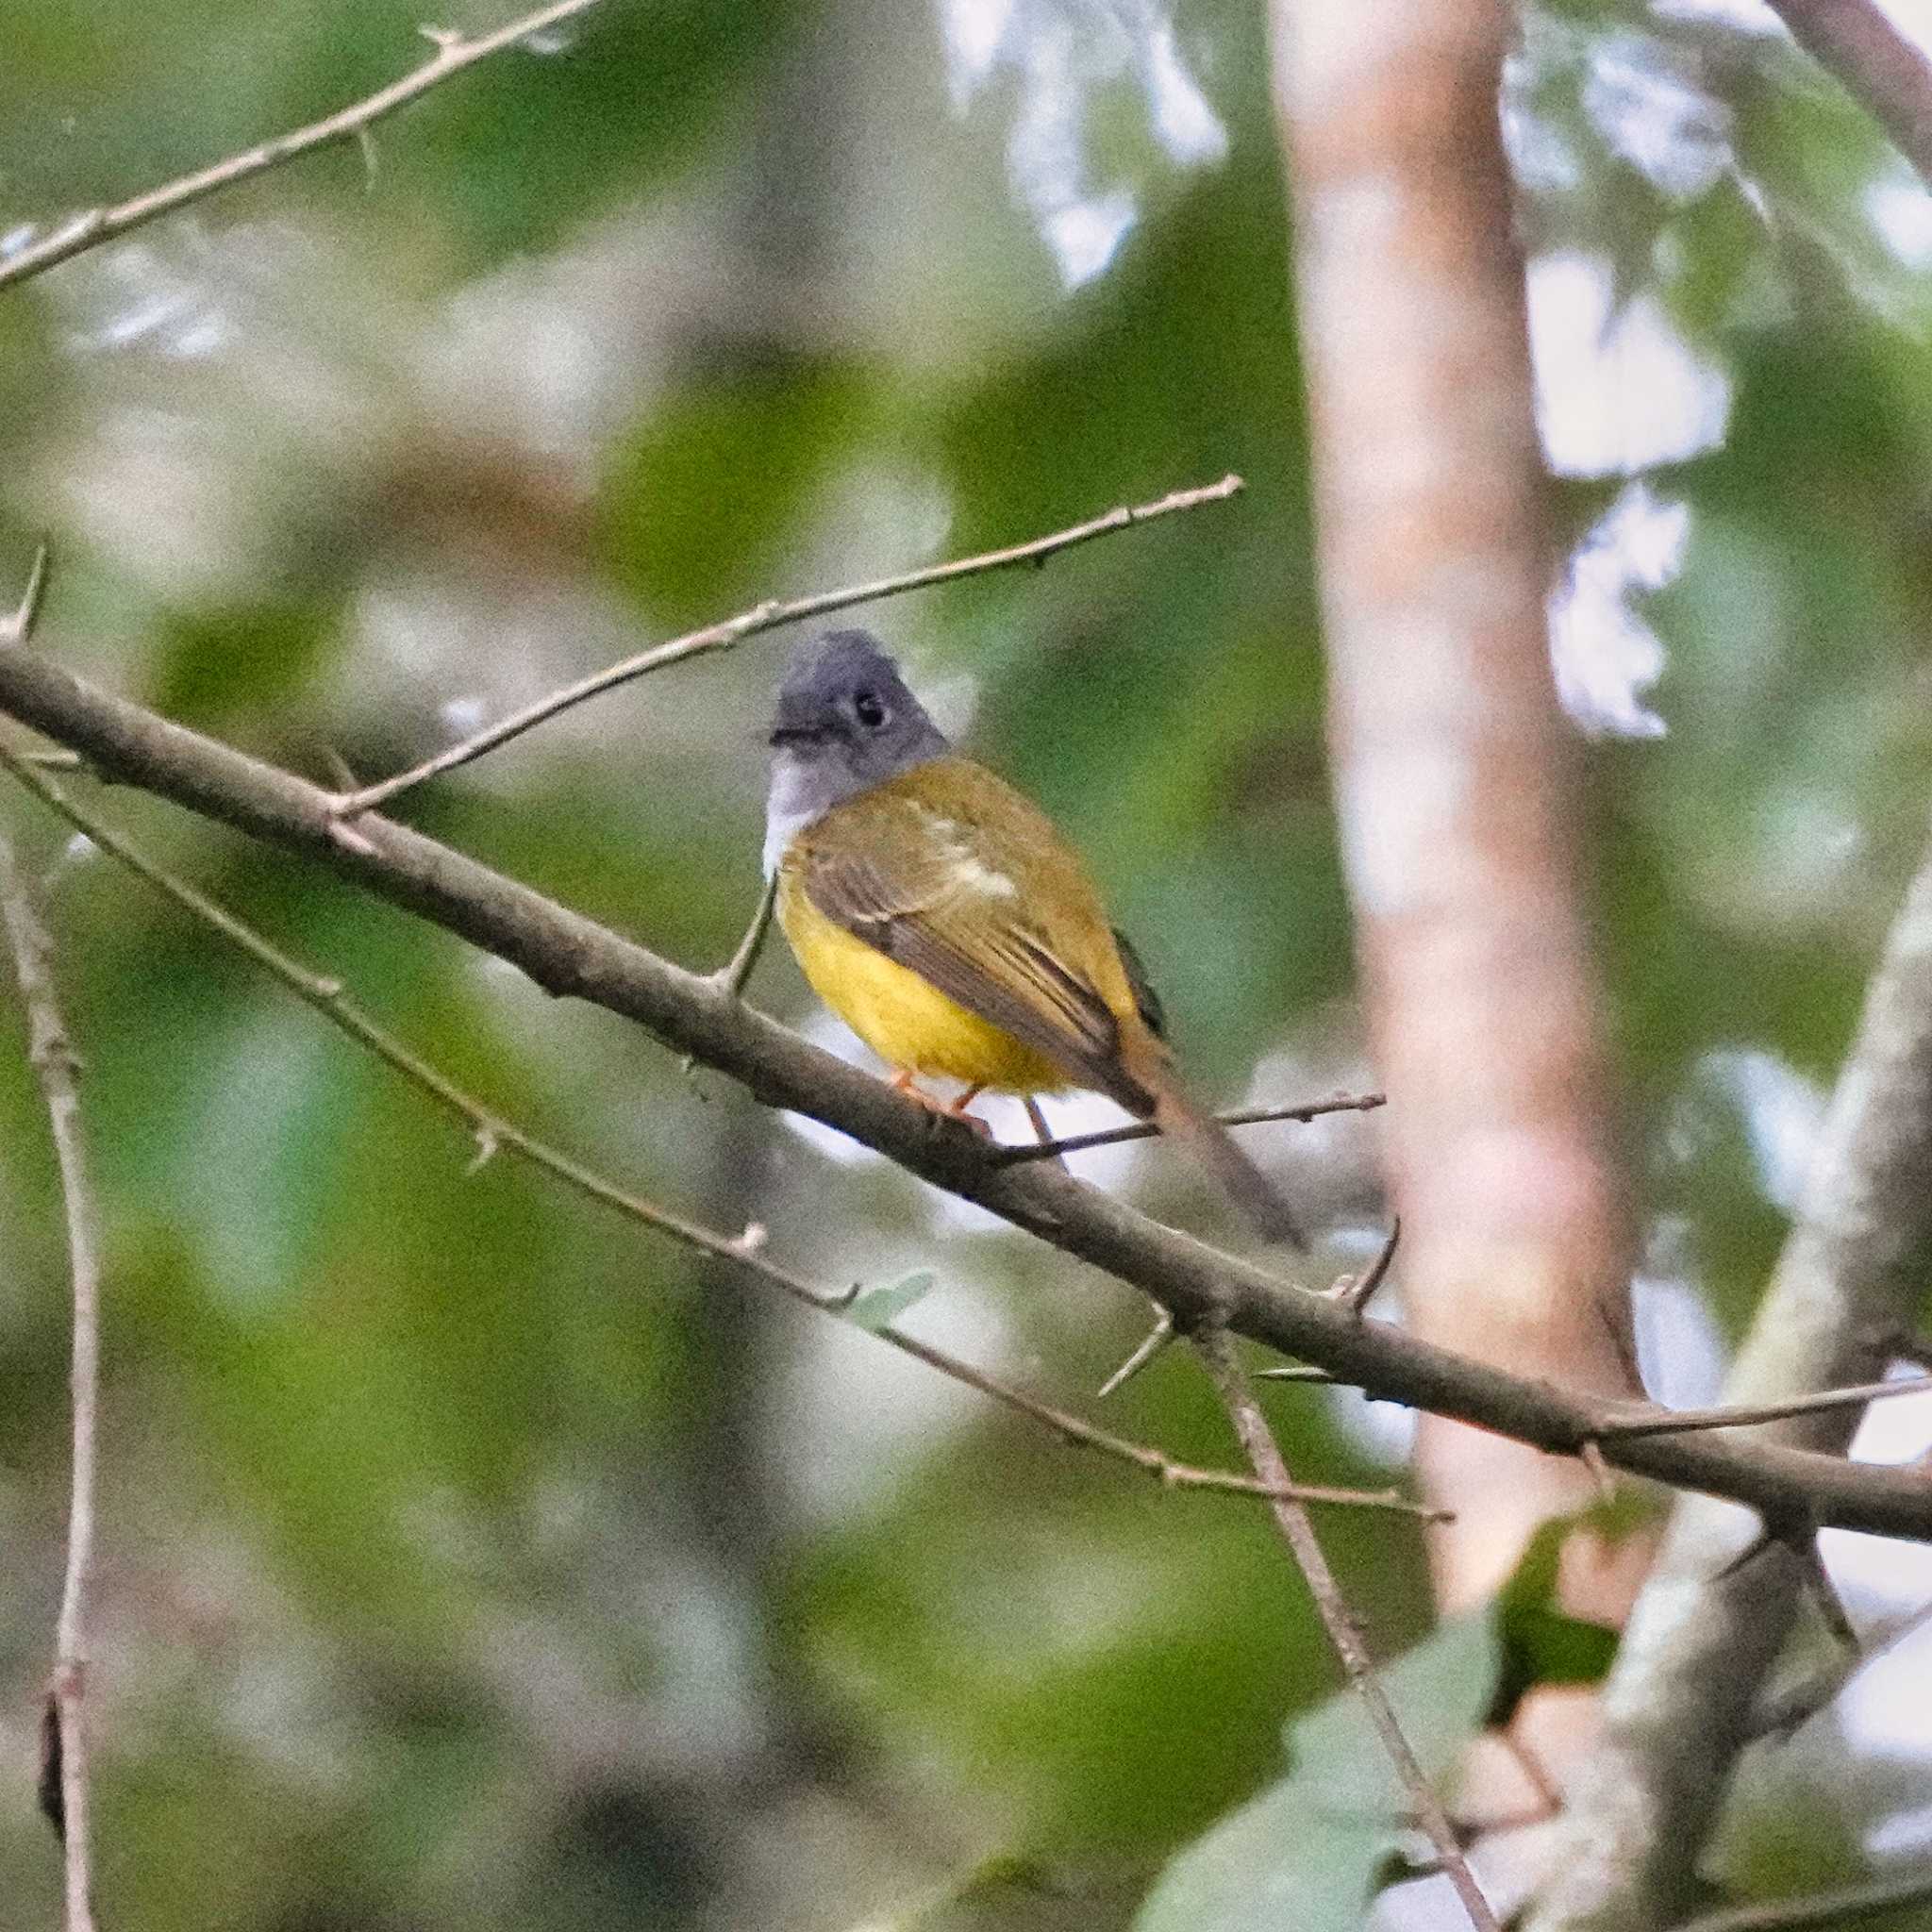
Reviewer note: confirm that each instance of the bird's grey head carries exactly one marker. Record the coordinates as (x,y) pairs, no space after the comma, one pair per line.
(845,723)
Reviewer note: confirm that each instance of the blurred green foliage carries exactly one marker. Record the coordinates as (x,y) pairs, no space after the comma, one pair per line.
(469,1559)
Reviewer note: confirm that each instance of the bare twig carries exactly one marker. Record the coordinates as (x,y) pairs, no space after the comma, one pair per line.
(1171,1474)
(1298,1531)
(51,1053)
(1667,1422)
(1845,1906)
(764,617)
(1355,1292)
(94,226)
(733,975)
(493,1133)
(1020,1151)
(1875,62)
(686,1012)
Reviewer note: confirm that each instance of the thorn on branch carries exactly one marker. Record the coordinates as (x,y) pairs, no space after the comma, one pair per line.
(346,835)
(16,626)
(1145,1349)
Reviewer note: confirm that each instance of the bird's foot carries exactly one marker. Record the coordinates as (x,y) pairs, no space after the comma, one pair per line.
(954,1110)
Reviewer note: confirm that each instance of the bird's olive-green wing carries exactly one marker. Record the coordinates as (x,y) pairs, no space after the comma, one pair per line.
(986,905)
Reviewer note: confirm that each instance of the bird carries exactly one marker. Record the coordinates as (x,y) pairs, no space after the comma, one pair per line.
(944,918)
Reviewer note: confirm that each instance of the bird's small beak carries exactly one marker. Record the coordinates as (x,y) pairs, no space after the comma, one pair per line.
(794,734)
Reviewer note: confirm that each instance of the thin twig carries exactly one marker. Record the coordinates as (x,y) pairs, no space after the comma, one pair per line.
(1671,1422)
(732,976)
(51,1052)
(764,617)
(1355,1292)
(571,956)
(1036,1117)
(94,226)
(1264,1456)
(1842,1908)
(493,1133)
(1171,1473)
(1020,1151)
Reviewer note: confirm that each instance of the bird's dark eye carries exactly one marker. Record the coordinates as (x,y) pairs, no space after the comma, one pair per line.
(870,709)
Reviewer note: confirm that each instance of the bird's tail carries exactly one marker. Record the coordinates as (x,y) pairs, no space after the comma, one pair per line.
(1214,1147)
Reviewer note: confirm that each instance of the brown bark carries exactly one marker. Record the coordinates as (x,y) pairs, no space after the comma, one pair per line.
(1455,770)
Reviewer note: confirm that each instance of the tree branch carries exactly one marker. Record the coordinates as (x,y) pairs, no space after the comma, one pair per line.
(1298,1531)
(1706,1630)
(454,54)
(767,616)
(1875,63)
(1020,1151)
(690,1013)
(1665,1422)
(493,1134)
(1845,1906)
(52,1056)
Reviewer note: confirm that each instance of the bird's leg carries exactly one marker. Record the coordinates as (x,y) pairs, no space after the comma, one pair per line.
(946,1109)
(956,1110)
(903,1083)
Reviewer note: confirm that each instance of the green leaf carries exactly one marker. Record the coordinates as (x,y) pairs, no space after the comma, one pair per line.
(1304,1854)
(880,1307)
(1540,1643)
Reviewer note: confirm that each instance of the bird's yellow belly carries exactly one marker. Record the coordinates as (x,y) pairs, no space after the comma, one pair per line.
(908,1022)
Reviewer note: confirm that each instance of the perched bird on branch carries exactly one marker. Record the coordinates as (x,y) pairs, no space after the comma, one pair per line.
(940,914)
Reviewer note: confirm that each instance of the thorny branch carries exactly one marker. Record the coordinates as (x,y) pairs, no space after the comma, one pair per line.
(94,226)
(494,1134)
(690,1013)
(1298,1531)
